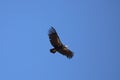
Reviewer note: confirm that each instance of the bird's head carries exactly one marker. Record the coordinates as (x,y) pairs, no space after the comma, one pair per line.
(66,46)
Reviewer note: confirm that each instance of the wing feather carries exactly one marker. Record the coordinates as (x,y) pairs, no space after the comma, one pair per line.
(68,53)
(54,38)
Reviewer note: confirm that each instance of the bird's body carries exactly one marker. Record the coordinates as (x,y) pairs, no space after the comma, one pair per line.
(57,44)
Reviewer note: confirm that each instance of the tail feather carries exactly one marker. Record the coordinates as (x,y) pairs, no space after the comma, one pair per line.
(53,50)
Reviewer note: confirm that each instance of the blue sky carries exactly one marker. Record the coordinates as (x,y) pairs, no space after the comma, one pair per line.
(90,28)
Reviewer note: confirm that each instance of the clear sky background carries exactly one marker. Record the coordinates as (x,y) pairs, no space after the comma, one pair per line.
(90,28)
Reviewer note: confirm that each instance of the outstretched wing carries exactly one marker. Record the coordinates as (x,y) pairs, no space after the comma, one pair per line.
(68,53)
(54,38)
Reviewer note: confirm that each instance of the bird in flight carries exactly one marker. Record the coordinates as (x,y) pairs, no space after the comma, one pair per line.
(57,44)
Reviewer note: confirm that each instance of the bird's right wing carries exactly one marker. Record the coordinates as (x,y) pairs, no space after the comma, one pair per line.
(68,53)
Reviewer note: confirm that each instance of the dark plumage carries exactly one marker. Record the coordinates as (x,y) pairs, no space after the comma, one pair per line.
(57,44)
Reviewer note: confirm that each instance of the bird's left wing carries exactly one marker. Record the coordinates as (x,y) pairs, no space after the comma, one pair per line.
(54,38)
